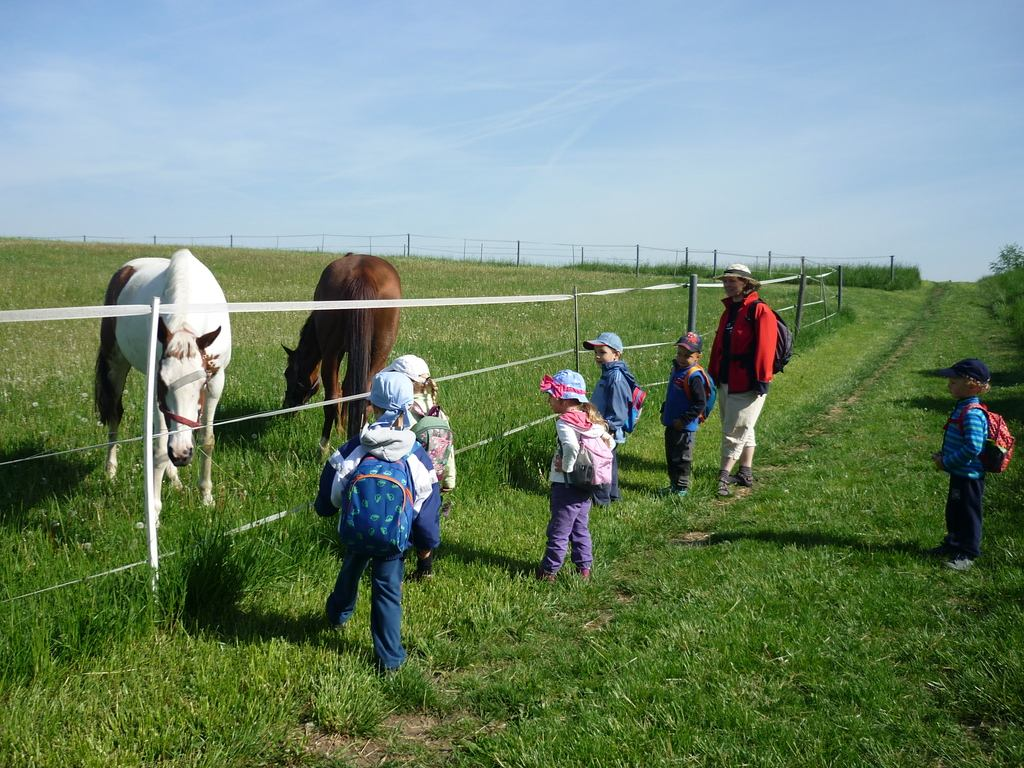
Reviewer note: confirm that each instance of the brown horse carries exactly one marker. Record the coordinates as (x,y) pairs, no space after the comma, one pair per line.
(366,335)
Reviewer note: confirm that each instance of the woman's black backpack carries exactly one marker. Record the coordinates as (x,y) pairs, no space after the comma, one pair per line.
(784,339)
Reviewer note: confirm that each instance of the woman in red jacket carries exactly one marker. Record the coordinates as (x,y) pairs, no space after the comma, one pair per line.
(741,365)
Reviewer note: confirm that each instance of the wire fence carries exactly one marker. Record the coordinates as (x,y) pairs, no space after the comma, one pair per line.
(74,313)
(682,259)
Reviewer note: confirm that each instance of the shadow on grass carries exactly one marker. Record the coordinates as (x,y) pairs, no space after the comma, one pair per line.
(242,431)
(26,484)
(252,626)
(631,462)
(255,627)
(1009,405)
(471,555)
(812,539)
(1000,379)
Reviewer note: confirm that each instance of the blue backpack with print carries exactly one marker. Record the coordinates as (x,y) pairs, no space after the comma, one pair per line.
(377,515)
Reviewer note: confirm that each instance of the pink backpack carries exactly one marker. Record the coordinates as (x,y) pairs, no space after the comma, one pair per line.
(593,464)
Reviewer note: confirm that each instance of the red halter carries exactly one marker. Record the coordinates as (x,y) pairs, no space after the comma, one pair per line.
(179,418)
(207,372)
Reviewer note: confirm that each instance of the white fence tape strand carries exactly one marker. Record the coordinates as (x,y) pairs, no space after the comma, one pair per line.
(9,316)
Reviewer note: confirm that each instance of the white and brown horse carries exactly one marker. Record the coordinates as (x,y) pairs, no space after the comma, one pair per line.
(195,348)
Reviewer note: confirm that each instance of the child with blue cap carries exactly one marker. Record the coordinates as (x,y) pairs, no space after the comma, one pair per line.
(613,399)
(386,439)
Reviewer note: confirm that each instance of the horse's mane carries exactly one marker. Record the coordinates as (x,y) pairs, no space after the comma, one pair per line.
(178,278)
(179,291)
(307,337)
(181,345)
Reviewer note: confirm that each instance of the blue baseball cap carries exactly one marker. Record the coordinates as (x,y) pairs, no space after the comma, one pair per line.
(606,339)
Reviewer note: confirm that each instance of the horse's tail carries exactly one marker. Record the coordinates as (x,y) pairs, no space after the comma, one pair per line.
(107,401)
(102,392)
(359,344)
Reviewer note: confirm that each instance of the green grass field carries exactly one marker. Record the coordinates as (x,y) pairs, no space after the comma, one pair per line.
(799,624)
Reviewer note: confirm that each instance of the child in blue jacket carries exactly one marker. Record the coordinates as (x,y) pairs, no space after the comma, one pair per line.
(962,444)
(682,412)
(388,439)
(613,398)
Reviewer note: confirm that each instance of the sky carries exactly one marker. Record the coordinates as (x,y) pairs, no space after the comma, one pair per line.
(833,131)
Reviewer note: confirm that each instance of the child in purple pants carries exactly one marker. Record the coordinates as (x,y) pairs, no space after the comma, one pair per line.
(570,506)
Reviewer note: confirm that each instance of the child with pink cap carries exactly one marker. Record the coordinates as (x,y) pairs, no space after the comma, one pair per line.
(570,506)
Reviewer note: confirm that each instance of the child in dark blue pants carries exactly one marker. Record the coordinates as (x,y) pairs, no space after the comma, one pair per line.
(384,439)
(962,444)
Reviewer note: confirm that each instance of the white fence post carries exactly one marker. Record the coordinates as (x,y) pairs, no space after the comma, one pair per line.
(576,324)
(151,535)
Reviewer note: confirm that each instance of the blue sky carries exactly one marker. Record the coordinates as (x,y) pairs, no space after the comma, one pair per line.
(827,130)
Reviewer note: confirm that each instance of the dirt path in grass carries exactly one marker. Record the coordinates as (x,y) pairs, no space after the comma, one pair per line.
(916,334)
(913,338)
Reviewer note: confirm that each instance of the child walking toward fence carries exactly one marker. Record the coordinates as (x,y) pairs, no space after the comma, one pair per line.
(384,455)
(569,525)
(613,399)
(683,411)
(433,431)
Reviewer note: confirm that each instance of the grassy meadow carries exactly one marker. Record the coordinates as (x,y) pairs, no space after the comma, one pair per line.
(796,625)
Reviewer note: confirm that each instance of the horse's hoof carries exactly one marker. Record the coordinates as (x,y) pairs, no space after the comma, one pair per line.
(208,499)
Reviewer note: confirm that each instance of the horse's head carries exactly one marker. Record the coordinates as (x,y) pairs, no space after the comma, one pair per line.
(181,387)
(301,379)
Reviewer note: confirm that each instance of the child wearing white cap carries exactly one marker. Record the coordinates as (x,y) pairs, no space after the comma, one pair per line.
(424,403)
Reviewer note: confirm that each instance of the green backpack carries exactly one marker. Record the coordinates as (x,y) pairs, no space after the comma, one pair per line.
(435,435)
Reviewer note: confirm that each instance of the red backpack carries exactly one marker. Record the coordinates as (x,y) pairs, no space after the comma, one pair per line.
(998,449)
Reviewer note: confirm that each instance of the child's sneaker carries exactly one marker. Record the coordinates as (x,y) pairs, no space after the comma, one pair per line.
(671,491)
(424,568)
(960,563)
(548,576)
(421,574)
(585,574)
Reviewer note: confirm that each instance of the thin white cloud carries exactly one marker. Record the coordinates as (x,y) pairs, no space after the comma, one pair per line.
(792,126)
